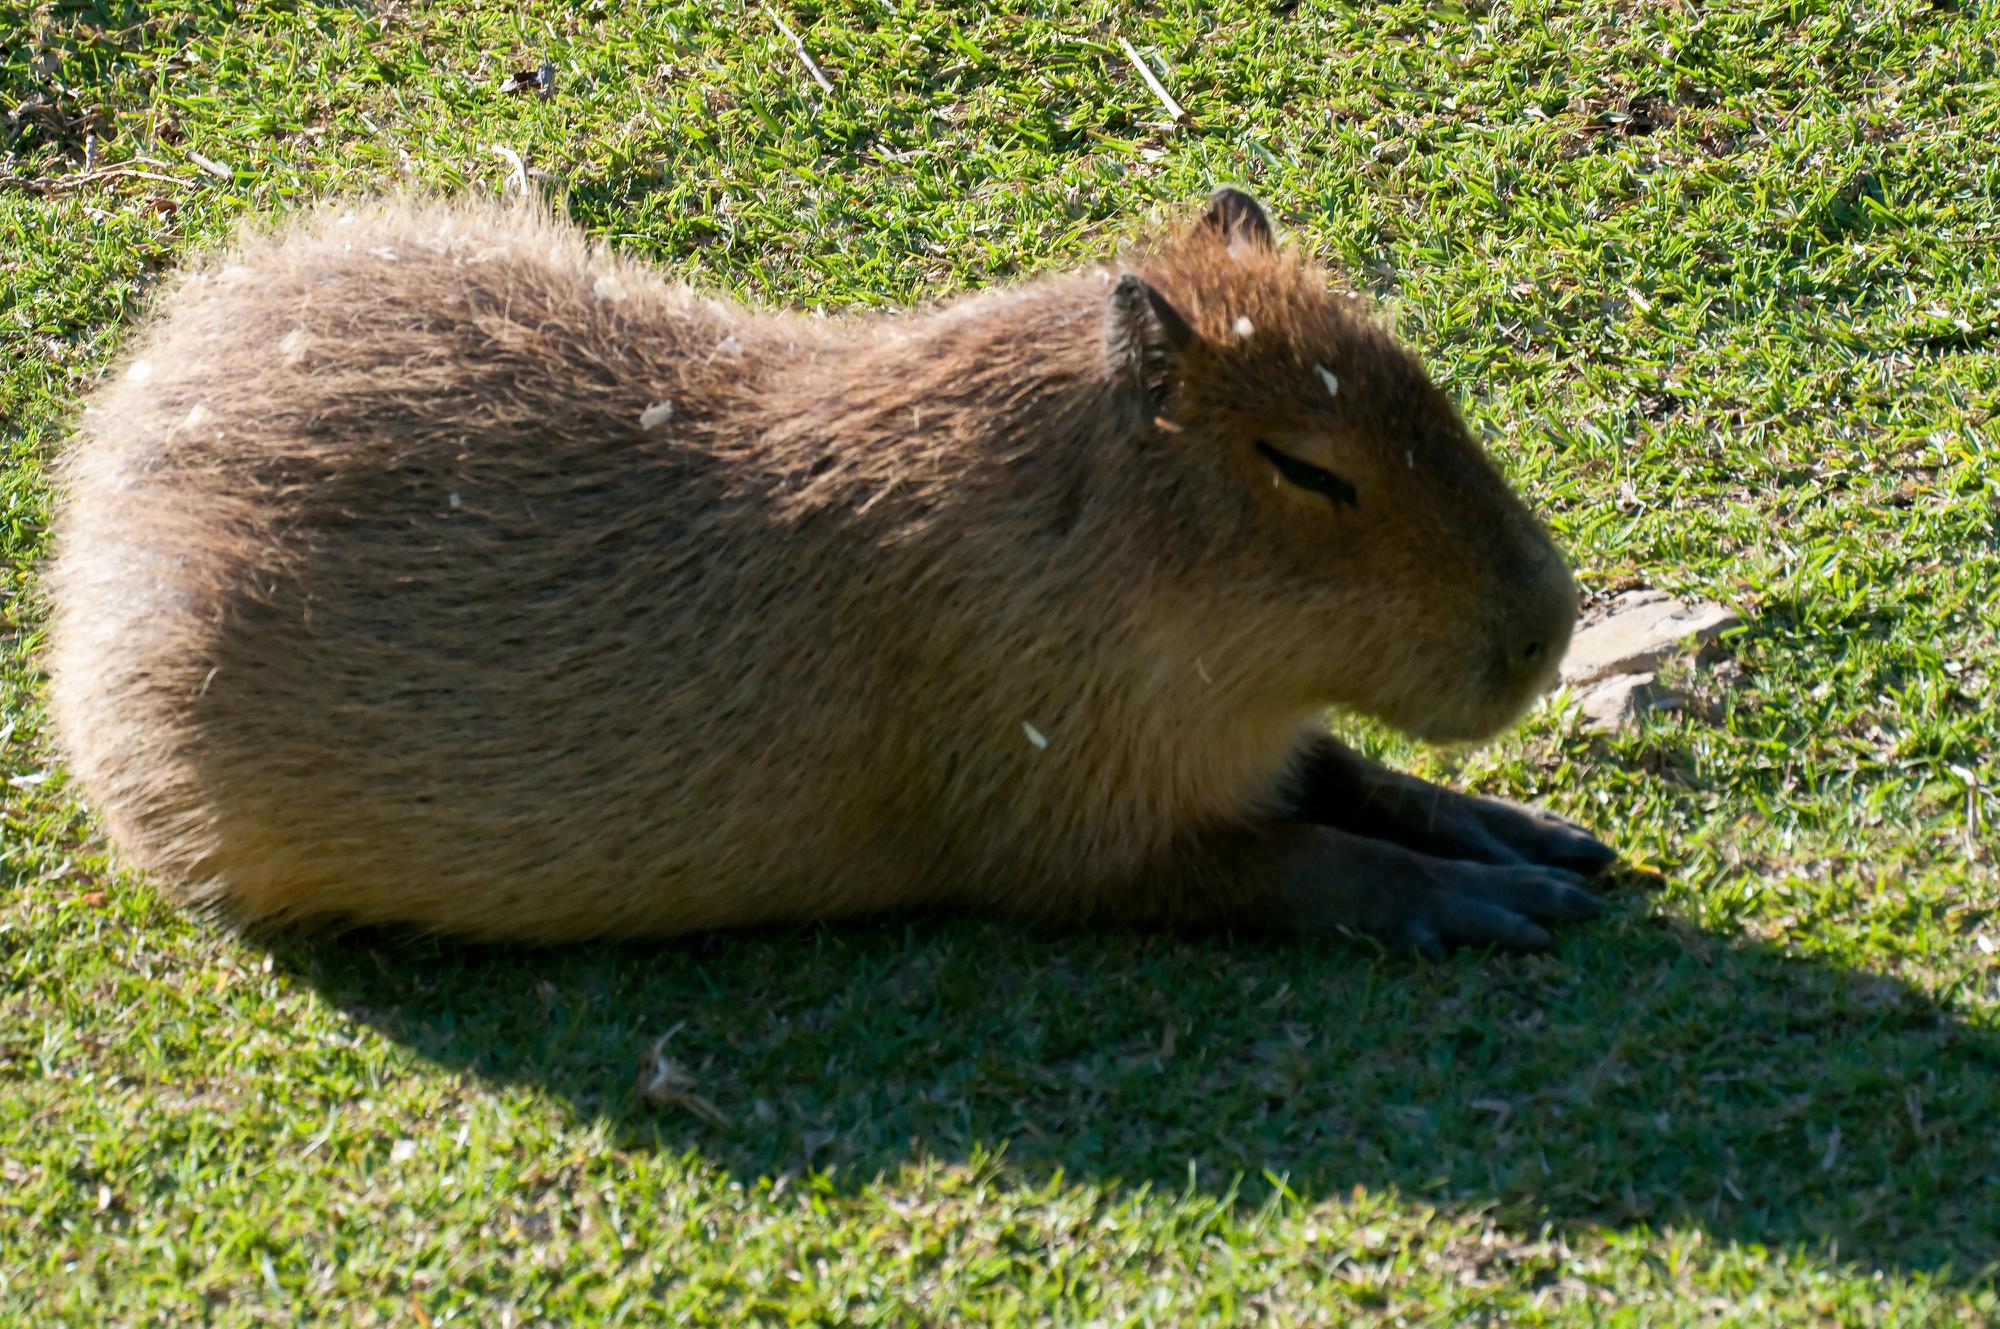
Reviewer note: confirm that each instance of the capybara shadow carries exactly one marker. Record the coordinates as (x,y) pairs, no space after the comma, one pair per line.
(1646,1074)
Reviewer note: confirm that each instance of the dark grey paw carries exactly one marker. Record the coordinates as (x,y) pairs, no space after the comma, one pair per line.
(1543,838)
(1409,899)
(1480,905)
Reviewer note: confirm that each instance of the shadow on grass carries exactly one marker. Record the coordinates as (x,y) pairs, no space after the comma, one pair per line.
(1642,1075)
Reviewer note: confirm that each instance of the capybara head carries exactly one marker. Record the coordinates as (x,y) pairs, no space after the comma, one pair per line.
(1389,566)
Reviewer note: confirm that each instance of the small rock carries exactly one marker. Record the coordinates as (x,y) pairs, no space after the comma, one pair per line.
(1613,666)
(1617,702)
(1637,633)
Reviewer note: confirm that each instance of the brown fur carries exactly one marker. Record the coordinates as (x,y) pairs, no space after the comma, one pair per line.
(423,564)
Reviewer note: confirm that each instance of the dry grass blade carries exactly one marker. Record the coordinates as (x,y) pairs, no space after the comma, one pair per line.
(513,159)
(798,44)
(1175,112)
(210,165)
(82,179)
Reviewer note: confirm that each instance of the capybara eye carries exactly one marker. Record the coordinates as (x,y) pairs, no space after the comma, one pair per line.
(1308,476)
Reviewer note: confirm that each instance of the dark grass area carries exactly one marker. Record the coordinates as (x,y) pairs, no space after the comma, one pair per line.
(1665,1077)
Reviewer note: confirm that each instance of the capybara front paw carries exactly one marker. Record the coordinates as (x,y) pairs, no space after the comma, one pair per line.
(1544,838)
(1480,905)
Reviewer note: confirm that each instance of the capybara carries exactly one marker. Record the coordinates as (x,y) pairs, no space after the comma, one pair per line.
(424,564)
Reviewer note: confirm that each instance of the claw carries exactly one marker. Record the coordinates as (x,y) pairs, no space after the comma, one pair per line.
(1581,852)
(1527,936)
(1575,902)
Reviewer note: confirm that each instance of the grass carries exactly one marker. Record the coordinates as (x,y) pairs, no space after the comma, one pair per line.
(1723,283)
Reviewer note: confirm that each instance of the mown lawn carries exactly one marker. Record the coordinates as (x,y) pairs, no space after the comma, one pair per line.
(1722,281)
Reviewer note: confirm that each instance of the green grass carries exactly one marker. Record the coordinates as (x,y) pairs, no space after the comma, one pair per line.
(1723,283)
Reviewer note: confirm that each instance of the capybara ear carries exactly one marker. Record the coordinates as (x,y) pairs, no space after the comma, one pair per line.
(1240,220)
(1143,334)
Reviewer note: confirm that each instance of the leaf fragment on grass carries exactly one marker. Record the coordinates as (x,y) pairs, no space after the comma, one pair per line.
(540,81)
(664,1082)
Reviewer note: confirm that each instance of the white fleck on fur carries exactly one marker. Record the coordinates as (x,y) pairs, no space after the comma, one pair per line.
(140,371)
(1035,736)
(452,498)
(1328,379)
(729,346)
(294,345)
(608,287)
(656,415)
(1410,458)
(1245,329)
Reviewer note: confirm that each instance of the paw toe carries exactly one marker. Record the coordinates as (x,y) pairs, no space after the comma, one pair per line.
(1578,851)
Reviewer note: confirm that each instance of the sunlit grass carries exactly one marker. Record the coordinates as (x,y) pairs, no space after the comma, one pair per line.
(1722,283)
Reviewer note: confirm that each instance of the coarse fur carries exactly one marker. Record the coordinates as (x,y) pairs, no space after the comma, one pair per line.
(424,564)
